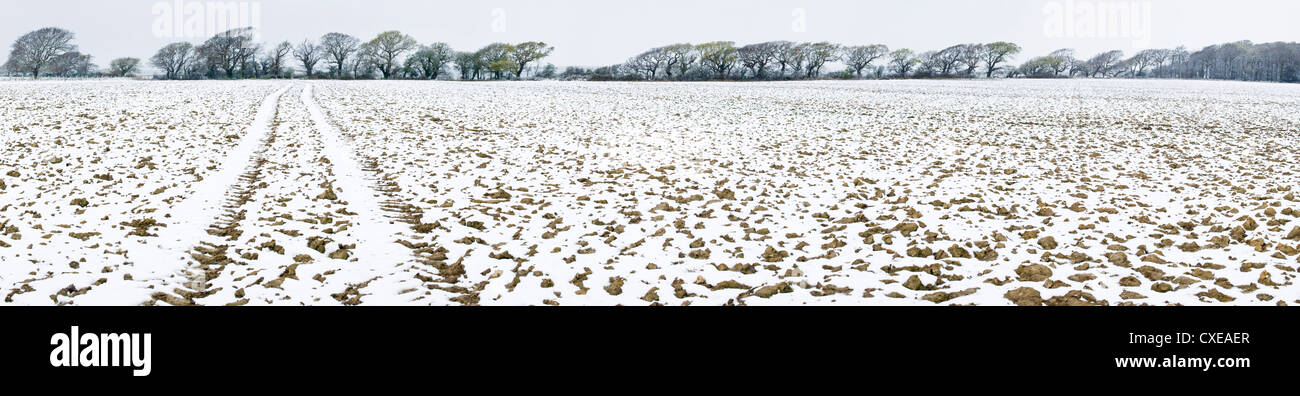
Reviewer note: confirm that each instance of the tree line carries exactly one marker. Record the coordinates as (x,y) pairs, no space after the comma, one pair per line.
(389,55)
(784,60)
(236,54)
(1241,60)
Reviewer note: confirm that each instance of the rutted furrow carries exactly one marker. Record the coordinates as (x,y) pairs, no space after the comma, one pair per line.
(290,234)
(378,253)
(209,259)
(430,268)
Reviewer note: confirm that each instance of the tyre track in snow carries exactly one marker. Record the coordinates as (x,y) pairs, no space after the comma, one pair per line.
(390,262)
(415,265)
(263,231)
(206,260)
(385,222)
(212,193)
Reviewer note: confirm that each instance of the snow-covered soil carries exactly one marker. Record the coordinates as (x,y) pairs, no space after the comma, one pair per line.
(850,193)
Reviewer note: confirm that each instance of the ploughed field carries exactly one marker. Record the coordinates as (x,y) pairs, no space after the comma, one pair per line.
(559,193)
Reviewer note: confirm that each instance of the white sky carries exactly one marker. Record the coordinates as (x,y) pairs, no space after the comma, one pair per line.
(595,32)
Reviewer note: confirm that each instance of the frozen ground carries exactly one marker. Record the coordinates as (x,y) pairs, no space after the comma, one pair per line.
(432,193)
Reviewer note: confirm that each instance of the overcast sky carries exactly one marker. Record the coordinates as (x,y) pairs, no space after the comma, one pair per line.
(600,32)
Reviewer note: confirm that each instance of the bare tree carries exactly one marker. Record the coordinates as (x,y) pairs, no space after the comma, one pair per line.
(651,61)
(123,67)
(1067,62)
(429,62)
(647,63)
(902,61)
(719,56)
(1043,66)
(817,55)
(228,50)
(1104,63)
(307,54)
(680,57)
(756,57)
(173,58)
(71,64)
(365,62)
(528,52)
(996,53)
(275,58)
(860,57)
(929,64)
(495,58)
(467,64)
(945,61)
(788,55)
(969,56)
(338,47)
(34,51)
(246,58)
(664,57)
(1147,59)
(1178,61)
(388,46)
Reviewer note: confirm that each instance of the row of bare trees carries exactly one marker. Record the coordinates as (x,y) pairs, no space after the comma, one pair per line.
(236,54)
(391,54)
(50,52)
(962,60)
(777,60)
(1242,60)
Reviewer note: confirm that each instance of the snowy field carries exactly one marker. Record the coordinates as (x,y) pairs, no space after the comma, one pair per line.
(829,193)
